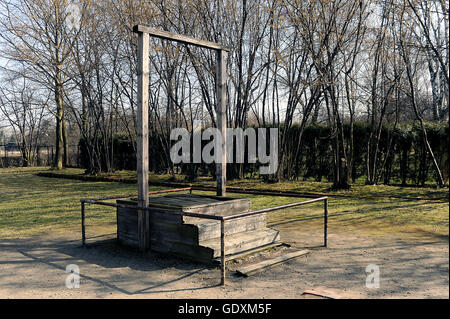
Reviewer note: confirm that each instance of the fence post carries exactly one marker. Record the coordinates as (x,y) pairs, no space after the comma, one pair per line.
(325,221)
(222,252)
(83,233)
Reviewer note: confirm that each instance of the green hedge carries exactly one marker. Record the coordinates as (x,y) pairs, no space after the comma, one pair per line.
(407,163)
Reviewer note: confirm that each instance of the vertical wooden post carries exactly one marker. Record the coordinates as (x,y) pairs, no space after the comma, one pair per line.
(221,81)
(325,222)
(142,139)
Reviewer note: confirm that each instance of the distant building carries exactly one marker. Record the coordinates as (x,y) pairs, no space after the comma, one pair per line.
(11,147)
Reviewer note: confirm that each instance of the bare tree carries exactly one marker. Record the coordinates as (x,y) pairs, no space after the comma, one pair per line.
(432,36)
(21,106)
(406,52)
(41,34)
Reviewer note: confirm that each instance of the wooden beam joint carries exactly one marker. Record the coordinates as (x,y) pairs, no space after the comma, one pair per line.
(139,28)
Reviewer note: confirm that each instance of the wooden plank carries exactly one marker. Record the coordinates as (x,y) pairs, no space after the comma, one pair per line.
(222,208)
(127,223)
(192,252)
(323,293)
(185,201)
(165,218)
(222,199)
(162,206)
(221,82)
(177,37)
(249,252)
(128,239)
(128,234)
(243,241)
(131,214)
(199,201)
(248,270)
(211,229)
(142,138)
(186,234)
(171,201)
(202,204)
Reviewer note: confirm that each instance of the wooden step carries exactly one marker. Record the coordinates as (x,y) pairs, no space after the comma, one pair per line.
(206,252)
(251,269)
(201,204)
(187,234)
(243,241)
(211,229)
(188,251)
(243,254)
(194,238)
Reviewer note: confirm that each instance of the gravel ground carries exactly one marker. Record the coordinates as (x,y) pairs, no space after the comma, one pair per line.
(410,267)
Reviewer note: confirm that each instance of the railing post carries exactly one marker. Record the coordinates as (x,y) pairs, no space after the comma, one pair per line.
(325,221)
(83,232)
(222,252)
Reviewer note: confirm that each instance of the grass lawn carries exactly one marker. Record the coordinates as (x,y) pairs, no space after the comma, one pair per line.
(30,204)
(358,189)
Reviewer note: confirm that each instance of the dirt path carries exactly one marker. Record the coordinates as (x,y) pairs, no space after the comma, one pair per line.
(409,268)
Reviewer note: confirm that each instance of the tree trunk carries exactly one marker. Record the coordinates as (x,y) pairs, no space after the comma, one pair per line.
(440,180)
(65,143)
(58,161)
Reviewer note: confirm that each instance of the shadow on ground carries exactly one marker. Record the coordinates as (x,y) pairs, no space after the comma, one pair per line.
(103,252)
(409,268)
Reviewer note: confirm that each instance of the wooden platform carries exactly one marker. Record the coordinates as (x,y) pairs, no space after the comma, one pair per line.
(204,204)
(194,238)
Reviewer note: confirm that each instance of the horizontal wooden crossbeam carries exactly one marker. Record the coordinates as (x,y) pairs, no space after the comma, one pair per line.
(177,37)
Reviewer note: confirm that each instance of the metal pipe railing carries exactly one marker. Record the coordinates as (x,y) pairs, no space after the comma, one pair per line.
(150,193)
(99,201)
(222,219)
(263,211)
(147,209)
(270,209)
